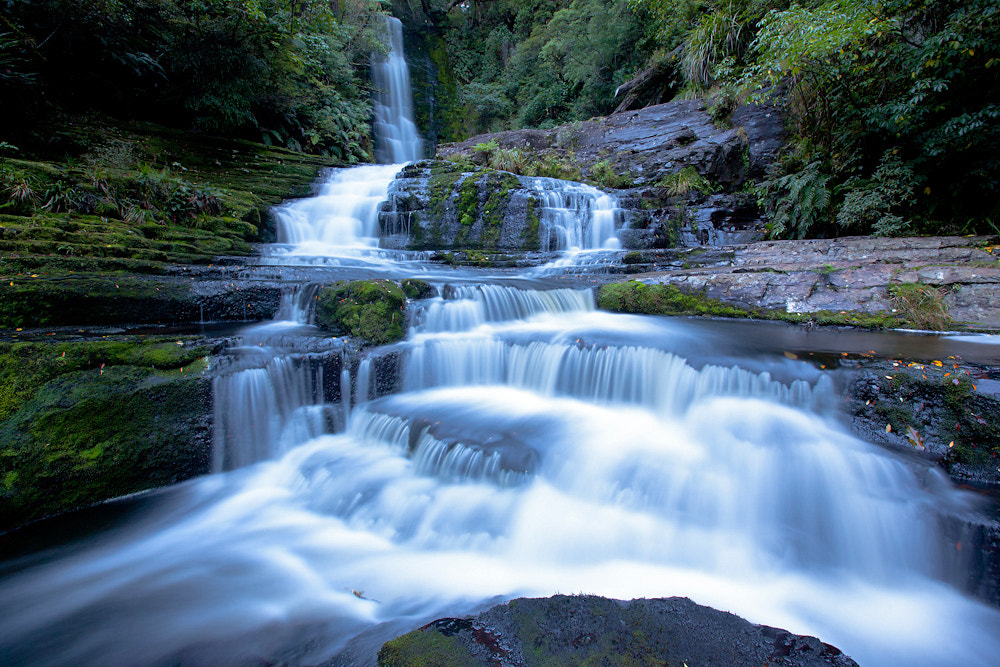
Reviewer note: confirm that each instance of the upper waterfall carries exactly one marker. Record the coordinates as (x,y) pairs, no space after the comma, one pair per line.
(396,138)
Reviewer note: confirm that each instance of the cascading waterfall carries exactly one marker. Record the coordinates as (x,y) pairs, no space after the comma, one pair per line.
(575,216)
(532,445)
(269,394)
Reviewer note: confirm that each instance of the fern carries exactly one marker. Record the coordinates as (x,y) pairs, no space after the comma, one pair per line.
(798,204)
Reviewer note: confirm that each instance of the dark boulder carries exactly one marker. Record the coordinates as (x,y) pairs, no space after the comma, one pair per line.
(593,630)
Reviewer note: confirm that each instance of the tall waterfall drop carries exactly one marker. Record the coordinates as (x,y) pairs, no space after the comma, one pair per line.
(396,137)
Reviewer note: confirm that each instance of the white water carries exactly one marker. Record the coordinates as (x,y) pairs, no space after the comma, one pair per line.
(535,446)
(341,222)
(520,459)
(396,137)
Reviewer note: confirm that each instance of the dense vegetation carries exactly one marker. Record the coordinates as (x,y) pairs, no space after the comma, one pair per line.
(291,72)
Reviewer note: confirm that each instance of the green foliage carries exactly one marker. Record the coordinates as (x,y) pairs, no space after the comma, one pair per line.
(914,78)
(883,203)
(603,174)
(685,181)
(291,72)
(798,204)
(372,310)
(534,63)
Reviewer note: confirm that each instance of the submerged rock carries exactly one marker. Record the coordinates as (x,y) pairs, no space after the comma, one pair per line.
(586,629)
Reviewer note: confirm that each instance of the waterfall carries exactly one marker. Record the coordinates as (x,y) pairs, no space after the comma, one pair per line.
(342,217)
(341,221)
(268,394)
(575,216)
(396,137)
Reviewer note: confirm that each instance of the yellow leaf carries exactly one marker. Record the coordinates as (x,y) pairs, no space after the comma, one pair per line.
(937,363)
(888,427)
(791,355)
(927,190)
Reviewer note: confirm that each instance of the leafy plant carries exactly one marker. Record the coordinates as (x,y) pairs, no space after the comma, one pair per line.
(605,176)
(797,205)
(685,181)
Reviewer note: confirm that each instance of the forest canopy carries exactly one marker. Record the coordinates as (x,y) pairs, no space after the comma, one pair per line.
(291,72)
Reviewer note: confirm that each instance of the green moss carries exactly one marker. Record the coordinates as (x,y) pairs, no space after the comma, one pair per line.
(636,297)
(82,422)
(80,299)
(416,289)
(425,648)
(135,202)
(372,310)
(530,234)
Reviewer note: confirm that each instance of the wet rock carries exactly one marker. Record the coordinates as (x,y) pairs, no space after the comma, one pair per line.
(933,410)
(85,421)
(594,630)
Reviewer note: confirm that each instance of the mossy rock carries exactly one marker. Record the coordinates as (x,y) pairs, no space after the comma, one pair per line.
(84,299)
(83,422)
(372,310)
(638,297)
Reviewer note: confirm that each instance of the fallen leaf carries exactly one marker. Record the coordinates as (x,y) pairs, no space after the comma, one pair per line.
(915,438)
(791,355)
(951,444)
(888,428)
(937,363)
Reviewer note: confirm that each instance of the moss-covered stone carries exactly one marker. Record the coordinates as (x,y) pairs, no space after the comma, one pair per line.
(933,408)
(589,631)
(83,422)
(416,289)
(372,310)
(426,647)
(637,297)
(30,300)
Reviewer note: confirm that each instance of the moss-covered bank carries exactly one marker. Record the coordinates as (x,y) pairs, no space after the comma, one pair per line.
(82,422)
(106,195)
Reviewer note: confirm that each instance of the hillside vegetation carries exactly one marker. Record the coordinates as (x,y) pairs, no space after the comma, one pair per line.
(893,105)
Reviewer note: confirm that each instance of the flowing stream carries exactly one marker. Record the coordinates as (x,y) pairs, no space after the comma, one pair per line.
(517,442)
